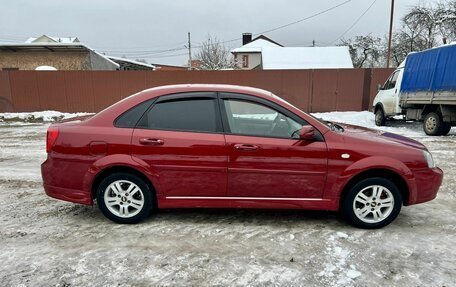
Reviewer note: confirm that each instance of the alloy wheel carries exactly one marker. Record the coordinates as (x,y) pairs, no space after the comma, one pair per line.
(124,198)
(373,204)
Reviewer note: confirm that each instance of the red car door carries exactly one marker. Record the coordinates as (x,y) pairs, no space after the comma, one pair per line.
(266,160)
(180,138)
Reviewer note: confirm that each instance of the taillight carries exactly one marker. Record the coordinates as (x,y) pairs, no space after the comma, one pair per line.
(51,137)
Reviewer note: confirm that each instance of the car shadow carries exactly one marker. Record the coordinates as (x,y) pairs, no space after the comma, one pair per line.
(272,217)
(254,217)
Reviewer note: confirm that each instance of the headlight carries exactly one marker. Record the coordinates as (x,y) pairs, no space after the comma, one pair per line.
(429,159)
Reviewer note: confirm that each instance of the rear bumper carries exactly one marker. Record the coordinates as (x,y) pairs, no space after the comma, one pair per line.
(72,195)
(57,183)
(428,182)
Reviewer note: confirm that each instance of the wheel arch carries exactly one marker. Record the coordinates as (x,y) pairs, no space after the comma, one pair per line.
(103,173)
(378,106)
(429,109)
(388,174)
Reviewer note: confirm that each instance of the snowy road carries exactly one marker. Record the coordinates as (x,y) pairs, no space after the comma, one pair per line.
(48,242)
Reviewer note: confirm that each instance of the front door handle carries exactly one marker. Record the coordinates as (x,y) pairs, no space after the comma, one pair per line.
(150,141)
(245,147)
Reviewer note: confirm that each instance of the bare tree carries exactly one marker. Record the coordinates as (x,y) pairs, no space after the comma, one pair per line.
(404,41)
(365,51)
(424,22)
(424,26)
(213,55)
(446,20)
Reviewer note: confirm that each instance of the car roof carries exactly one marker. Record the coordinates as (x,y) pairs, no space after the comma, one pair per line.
(179,88)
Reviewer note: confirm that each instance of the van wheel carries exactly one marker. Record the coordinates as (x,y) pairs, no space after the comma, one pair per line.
(446,128)
(124,198)
(372,203)
(433,124)
(380,118)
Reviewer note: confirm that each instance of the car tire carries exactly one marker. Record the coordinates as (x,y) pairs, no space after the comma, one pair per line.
(380,118)
(446,129)
(372,203)
(124,198)
(433,124)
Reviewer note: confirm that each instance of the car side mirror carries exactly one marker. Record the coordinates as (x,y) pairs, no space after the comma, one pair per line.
(307,133)
(379,87)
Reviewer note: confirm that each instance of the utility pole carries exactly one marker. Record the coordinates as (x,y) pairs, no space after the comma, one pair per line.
(189,52)
(388,54)
(313,43)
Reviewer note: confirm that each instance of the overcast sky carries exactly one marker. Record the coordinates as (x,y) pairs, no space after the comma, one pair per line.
(143,28)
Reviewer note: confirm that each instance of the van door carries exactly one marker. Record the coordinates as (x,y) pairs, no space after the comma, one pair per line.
(397,90)
(388,95)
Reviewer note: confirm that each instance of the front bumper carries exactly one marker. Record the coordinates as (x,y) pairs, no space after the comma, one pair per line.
(428,182)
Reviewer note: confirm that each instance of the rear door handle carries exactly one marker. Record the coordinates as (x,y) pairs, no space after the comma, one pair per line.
(245,147)
(150,141)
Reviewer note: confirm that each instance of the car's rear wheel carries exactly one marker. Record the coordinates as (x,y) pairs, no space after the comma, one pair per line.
(380,118)
(372,203)
(124,198)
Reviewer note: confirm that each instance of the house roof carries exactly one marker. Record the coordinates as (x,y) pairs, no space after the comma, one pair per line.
(274,58)
(256,45)
(120,60)
(51,47)
(47,39)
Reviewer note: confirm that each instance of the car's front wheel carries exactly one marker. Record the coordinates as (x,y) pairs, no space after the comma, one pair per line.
(124,198)
(372,203)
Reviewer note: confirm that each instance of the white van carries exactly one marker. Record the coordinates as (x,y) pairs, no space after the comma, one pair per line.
(422,88)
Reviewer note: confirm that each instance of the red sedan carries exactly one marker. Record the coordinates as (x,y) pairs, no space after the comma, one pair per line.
(222,146)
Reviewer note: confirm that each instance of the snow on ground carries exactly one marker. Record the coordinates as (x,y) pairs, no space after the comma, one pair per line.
(367,119)
(44,116)
(49,242)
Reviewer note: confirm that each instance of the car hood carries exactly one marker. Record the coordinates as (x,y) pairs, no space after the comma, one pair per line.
(380,136)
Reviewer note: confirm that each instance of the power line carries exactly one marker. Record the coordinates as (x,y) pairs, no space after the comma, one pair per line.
(8,40)
(151,53)
(354,23)
(262,32)
(304,19)
(294,22)
(166,56)
(18,38)
(133,49)
(144,52)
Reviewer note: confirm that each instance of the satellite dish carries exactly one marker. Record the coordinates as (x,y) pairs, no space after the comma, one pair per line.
(45,68)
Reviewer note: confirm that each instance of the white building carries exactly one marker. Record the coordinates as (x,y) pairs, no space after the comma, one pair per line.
(248,56)
(50,39)
(265,54)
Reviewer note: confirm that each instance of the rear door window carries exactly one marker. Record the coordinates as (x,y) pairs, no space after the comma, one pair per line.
(193,113)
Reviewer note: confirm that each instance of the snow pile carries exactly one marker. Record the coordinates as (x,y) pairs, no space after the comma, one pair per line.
(44,116)
(367,119)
